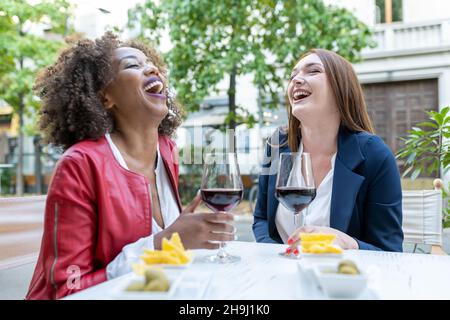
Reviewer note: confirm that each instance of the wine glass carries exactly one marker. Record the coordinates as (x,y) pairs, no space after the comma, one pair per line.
(221,190)
(295,187)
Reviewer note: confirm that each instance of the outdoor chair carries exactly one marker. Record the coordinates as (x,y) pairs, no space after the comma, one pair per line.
(422,217)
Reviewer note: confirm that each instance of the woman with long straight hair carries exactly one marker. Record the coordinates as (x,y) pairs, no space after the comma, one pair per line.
(358,196)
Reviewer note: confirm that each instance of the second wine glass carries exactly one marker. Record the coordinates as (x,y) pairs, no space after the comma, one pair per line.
(295,187)
(221,191)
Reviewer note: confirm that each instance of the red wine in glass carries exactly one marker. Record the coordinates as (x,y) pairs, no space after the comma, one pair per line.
(295,198)
(295,187)
(221,199)
(221,190)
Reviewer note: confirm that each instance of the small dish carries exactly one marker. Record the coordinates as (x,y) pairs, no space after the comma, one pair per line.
(338,285)
(119,291)
(322,255)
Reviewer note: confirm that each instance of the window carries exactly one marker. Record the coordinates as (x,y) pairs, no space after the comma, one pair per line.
(243,142)
(389,11)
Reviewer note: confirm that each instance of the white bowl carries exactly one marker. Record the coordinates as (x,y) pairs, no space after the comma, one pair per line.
(119,291)
(337,285)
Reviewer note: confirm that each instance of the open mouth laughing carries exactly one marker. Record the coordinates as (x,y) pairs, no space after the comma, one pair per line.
(154,87)
(300,94)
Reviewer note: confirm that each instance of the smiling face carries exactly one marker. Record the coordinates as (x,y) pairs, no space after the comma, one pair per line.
(138,90)
(309,91)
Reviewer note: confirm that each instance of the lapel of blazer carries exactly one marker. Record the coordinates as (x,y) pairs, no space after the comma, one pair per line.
(346,183)
(170,160)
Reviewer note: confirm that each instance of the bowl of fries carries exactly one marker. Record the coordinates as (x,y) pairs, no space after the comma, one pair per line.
(171,255)
(319,245)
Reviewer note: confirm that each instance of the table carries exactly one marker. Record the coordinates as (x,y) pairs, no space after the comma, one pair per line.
(263,274)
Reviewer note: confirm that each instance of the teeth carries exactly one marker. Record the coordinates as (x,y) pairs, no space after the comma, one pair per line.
(300,94)
(153,84)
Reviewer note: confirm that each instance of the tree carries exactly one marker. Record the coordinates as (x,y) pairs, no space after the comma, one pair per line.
(213,40)
(23,53)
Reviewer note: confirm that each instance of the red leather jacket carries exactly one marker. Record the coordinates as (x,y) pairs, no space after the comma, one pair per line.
(94,208)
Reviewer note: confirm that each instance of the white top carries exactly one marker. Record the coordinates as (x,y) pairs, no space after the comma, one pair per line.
(318,211)
(169,211)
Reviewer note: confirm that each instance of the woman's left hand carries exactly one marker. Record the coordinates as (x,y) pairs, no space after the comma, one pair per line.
(342,239)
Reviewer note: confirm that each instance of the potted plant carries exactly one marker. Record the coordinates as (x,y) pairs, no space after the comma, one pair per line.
(427,150)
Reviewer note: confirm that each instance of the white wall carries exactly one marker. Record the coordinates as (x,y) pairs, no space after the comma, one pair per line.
(92,22)
(364,10)
(413,10)
(423,10)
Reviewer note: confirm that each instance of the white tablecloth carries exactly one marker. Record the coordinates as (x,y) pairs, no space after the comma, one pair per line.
(263,274)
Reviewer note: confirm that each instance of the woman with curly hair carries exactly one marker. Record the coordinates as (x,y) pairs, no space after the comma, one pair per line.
(115,188)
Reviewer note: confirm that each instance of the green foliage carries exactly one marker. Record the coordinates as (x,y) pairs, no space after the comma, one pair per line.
(215,39)
(191,177)
(23,53)
(427,149)
(7,176)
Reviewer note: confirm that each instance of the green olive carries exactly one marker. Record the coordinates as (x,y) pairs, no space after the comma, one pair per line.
(157,285)
(348,270)
(136,286)
(347,263)
(153,274)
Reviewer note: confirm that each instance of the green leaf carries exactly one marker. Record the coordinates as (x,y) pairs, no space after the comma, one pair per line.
(428,124)
(411,158)
(416,173)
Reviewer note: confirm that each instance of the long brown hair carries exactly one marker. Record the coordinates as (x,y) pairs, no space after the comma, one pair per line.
(347,93)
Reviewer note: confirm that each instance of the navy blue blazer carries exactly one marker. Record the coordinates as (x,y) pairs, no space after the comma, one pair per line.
(366,202)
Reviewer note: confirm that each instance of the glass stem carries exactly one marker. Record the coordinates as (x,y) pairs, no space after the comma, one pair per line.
(303,214)
(300,216)
(221,253)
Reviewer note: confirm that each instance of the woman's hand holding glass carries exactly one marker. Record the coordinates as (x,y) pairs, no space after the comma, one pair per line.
(221,191)
(199,230)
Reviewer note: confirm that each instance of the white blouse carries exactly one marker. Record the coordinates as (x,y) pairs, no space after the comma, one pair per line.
(318,211)
(169,211)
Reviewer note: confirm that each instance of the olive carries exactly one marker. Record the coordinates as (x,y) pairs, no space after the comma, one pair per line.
(157,285)
(153,273)
(136,286)
(348,270)
(347,263)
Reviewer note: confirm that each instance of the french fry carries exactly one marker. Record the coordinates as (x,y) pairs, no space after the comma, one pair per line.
(323,237)
(318,243)
(176,240)
(172,252)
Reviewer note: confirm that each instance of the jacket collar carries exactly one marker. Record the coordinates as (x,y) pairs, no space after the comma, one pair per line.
(168,155)
(346,182)
(349,151)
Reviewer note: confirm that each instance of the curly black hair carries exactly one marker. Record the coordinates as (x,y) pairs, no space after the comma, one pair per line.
(72,108)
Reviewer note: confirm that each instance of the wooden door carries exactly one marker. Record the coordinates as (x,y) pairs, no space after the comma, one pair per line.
(395,107)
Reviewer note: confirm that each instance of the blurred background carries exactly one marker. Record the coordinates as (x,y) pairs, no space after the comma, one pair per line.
(228,64)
